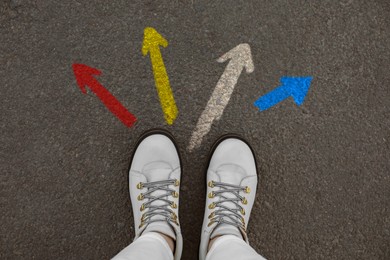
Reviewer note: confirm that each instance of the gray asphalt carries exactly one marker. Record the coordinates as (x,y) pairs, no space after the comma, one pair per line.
(324,167)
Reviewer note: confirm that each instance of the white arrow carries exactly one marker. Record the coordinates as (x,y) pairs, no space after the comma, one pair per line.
(240,58)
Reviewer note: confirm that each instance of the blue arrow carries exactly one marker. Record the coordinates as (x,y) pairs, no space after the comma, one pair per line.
(295,87)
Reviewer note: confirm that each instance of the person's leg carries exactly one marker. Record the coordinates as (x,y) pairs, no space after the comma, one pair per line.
(148,246)
(231,189)
(231,247)
(154,184)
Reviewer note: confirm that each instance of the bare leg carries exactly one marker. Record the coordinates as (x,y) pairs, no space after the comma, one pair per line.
(169,240)
(212,242)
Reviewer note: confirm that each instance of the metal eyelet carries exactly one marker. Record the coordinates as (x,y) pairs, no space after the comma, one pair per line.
(140,185)
(242,211)
(247,189)
(142,207)
(211,195)
(175,194)
(244,201)
(140,196)
(211,184)
(212,205)
(177,183)
(212,214)
(211,222)
(173,205)
(141,225)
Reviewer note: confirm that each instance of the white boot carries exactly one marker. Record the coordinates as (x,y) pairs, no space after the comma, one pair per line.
(231,190)
(154,183)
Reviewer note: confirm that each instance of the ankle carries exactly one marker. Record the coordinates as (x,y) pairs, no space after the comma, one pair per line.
(211,242)
(170,241)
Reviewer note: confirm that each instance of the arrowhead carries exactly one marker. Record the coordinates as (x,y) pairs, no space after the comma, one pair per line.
(297,87)
(152,39)
(241,54)
(84,75)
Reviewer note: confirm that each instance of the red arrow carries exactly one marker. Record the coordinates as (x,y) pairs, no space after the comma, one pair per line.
(84,77)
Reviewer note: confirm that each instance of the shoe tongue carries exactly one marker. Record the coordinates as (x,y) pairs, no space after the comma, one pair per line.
(225,229)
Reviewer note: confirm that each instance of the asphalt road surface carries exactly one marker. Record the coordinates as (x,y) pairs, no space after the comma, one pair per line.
(324,169)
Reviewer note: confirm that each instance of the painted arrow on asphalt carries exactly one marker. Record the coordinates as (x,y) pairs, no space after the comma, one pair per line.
(85,78)
(240,58)
(151,44)
(295,87)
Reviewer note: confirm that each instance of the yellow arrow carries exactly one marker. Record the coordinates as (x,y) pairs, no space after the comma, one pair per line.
(152,41)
